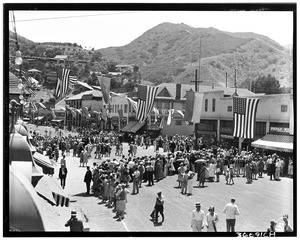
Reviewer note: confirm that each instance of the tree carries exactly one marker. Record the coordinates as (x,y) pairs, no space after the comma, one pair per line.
(266,84)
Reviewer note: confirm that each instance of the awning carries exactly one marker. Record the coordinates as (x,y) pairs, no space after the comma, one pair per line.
(136,127)
(50,189)
(128,126)
(276,142)
(44,162)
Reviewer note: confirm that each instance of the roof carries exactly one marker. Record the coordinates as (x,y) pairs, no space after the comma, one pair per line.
(60,104)
(171,88)
(61,57)
(124,65)
(13,84)
(94,93)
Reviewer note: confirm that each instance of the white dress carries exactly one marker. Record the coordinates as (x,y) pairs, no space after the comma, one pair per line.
(190,184)
(209,221)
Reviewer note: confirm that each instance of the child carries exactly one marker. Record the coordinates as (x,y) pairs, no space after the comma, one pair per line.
(231,175)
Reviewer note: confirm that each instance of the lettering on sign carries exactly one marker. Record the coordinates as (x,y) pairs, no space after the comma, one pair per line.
(279,129)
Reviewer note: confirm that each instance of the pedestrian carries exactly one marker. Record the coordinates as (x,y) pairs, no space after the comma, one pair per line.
(159,206)
(211,220)
(63,160)
(231,175)
(63,175)
(81,159)
(184,182)
(198,218)
(231,210)
(272,226)
(272,170)
(88,179)
(74,224)
(136,180)
(287,226)
(121,197)
(190,183)
(260,166)
(141,169)
(277,169)
(181,171)
(150,170)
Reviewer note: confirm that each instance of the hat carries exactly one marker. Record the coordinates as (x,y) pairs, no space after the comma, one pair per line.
(211,208)
(198,204)
(159,192)
(233,199)
(285,216)
(273,222)
(73,213)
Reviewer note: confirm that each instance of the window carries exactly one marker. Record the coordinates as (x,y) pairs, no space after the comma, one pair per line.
(214,105)
(206,105)
(167,105)
(283,108)
(178,122)
(125,108)
(260,128)
(229,109)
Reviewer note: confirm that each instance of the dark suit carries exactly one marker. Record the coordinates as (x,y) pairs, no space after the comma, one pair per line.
(87,180)
(62,176)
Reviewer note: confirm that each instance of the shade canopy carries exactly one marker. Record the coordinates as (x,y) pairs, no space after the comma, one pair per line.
(276,142)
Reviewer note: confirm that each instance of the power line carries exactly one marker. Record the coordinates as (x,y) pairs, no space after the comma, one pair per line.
(53,18)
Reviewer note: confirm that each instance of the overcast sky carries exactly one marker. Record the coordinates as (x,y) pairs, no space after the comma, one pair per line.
(100,29)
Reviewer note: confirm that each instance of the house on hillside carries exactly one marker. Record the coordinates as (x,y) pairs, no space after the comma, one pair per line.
(124,68)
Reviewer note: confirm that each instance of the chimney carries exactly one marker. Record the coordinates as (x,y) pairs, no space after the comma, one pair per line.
(178,91)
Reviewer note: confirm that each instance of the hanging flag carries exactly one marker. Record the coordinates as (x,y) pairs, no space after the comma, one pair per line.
(85,112)
(32,93)
(244,114)
(104,115)
(105,86)
(53,113)
(171,111)
(85,85)
(65,81)
(41,105)
(72,81)
(57,91)
(79,111)
(133,103)
(73,112)
(180,112)
(161,125)
(193,106)
(146,96)
(156,114)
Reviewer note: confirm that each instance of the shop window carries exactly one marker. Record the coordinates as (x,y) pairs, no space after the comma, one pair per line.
(125,108)
(229,109)
(178,122)
(214,105)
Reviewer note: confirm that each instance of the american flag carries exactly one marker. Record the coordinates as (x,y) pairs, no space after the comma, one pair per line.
(32,93)
(146,96)
(65,81)
(244,114)
(72,80)
(57,91)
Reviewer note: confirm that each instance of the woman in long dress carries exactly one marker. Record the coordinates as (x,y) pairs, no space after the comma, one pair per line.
(181,171)
(190,183)
(211,220)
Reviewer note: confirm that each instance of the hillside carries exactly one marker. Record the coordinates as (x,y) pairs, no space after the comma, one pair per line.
(170,53)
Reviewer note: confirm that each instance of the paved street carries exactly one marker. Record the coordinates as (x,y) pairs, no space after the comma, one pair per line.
(258,202)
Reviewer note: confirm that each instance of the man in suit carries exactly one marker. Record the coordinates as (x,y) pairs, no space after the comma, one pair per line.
(88,179)
(74,224)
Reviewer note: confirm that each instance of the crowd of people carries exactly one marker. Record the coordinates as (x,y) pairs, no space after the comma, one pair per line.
(110,179)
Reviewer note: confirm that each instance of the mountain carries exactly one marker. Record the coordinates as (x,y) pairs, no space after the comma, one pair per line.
(170,53)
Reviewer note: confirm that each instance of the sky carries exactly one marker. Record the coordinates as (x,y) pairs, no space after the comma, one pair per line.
(101,29)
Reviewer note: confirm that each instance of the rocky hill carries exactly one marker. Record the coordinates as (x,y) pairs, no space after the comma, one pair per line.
(170,53)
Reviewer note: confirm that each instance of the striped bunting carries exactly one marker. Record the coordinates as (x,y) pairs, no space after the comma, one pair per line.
(57,91)
(65,81)
(146,96)
(244,114)
(72,80)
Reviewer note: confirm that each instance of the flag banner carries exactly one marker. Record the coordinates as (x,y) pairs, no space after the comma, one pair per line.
(53,114)
(171,111)
(123,95)
(57,91)
(120,111)
(244,114)
(146,96)
(193,106)
(73,112)
(156,114)
(133,103)
(96,87)
(105,86)
(85,85)
(85,112)
(72,81)
(180,112)
(42,105)
(79,112)
(104,115)
(65,81)
(161,125)
(32,93)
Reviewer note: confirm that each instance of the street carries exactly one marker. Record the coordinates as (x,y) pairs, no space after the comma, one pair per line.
(259,202)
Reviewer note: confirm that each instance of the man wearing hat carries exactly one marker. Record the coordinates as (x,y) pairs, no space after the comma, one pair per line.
(231,210)
(74,224)
(198,217)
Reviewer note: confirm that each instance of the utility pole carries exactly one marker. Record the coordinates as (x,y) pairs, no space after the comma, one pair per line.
(226,81)
(235,81)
